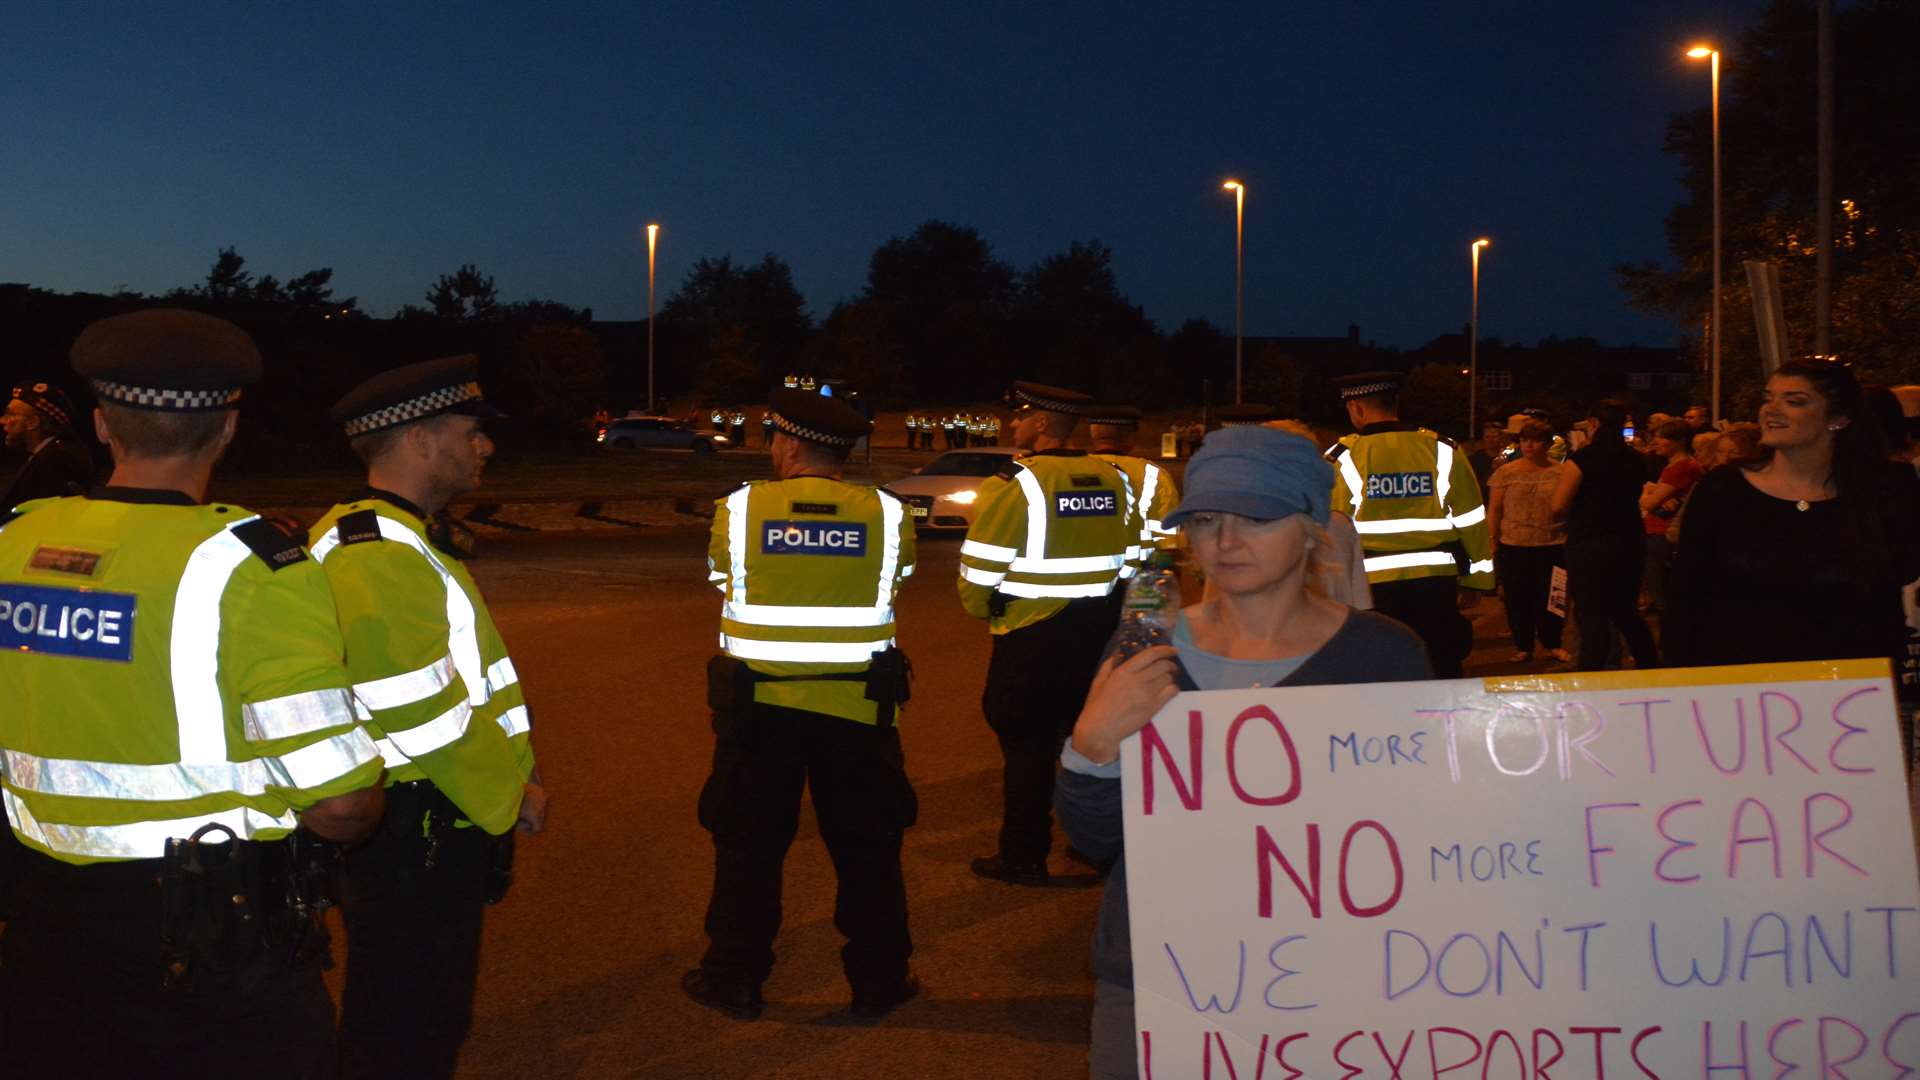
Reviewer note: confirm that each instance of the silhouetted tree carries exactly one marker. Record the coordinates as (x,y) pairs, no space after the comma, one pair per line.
(228,280)
(1435,396)
(465,294)
(1072,325)
(558,376)
(946,302)
(857,343)
(1768,136)
(759,302)
(1199,352)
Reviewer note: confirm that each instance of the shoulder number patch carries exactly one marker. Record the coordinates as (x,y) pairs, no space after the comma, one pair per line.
(813,538)
(85,623)
(269,544)
(359,526)
(830,509)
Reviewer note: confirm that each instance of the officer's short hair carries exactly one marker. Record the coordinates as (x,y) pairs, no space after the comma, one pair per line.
(152,433)
(822,452)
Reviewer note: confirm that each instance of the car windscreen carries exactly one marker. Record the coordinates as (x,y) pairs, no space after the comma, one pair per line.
(965,465)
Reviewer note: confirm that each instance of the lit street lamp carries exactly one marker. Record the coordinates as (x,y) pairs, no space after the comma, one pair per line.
(1239,281)
(1473,342)
(1705,52)
(653,236)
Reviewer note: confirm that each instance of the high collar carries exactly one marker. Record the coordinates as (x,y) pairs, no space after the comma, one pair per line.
(1379,426)
(401,501)
(153,496)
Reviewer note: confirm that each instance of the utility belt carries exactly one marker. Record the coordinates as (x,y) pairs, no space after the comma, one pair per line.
(888,680)
(240,911)
(421,809)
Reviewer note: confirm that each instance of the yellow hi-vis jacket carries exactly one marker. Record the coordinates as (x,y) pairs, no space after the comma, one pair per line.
(1415,503)
(1155,496)
(165,666)
(809,568)
(431,675)
(1048,528)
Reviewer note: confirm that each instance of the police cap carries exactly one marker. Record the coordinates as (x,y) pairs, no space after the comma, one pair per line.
(1121,416)
(806,415)
(49,401)
(167,359)
(1050,398)
(1245,415)
(1368,383)
(414,392)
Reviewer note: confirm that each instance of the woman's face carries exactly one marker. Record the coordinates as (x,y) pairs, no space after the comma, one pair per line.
(1663,446)
(1534,448)
(1794,414)
(1244,555)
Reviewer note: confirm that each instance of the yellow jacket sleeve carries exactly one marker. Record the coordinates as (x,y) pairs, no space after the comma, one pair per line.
(998,532)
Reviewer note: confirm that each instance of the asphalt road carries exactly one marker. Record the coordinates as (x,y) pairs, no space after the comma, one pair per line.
(581,968)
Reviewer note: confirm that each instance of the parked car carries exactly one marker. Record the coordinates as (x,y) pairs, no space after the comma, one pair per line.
(941,495)
(668,432)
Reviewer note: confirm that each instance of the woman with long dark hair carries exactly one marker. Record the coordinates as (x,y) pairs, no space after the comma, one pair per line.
(1599,496)
(1800,552)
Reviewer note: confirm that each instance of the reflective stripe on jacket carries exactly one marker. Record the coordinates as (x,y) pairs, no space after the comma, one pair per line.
(1155,497)
(167,666)
(431,675)
(808,569)
(1052,527)
(1415,503)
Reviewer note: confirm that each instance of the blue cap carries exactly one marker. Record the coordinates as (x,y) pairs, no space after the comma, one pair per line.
(1256,472)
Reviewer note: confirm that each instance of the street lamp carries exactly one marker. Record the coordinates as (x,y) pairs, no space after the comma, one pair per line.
(1473,342)
(1708,52)
(1239,281)
(653,236)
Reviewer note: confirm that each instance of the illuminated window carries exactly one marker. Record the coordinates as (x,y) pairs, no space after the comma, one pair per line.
(1498,380)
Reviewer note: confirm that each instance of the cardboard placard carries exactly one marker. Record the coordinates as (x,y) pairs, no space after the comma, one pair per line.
(1702,873)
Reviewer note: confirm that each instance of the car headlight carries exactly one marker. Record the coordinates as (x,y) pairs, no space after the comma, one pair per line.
(963,497)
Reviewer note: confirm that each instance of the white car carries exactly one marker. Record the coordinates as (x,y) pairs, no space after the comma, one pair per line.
(941,495)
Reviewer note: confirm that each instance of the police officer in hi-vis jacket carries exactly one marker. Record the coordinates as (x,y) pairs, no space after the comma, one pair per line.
(806,694)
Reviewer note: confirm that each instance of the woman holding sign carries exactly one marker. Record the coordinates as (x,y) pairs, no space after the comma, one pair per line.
(1254,517)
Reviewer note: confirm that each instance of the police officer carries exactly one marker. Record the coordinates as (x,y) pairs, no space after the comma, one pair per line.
(739,428)
(1053,534)
(1113,429)
(805,693)
(1423,529)
(766,428)
(39,424)
(176,708)
(432,677)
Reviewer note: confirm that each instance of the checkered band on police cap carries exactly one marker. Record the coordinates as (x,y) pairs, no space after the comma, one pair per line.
(801,431)
(155,398)
(48,400)
(431,403)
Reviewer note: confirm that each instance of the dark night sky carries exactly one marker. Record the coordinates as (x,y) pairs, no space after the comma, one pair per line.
(395,142)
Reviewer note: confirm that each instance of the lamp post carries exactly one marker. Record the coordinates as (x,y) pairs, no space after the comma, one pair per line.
(1239,282)
(1473,342)
(653,236)
(1708,52)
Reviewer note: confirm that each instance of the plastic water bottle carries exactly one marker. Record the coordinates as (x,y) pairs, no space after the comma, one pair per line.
(1149,609)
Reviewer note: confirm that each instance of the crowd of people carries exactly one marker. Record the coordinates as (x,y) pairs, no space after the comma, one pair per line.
(1719,533)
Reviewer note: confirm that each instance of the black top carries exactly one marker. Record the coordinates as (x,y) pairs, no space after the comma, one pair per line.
(1758,580)
(59,468)
(1606,508)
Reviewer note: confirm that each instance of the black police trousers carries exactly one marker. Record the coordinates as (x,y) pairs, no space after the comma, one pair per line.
(1037,681)
(81,989)
(1430,607)
(763,756)
(413,939)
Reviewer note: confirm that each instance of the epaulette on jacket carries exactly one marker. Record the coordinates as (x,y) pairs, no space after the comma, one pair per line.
(359,527)
(269,544)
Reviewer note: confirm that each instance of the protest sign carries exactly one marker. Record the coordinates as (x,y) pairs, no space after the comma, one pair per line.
(1704,874)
